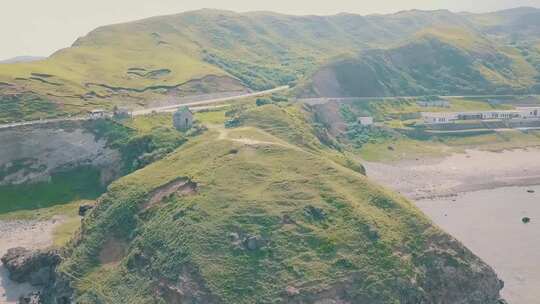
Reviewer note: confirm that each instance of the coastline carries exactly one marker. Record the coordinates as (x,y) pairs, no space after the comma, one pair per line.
(30,234)
(490,223)
(470,171)
(480,198)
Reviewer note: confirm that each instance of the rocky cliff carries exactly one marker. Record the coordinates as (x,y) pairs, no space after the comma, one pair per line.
(31,154)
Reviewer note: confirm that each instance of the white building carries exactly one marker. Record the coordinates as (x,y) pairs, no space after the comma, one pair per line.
(439,117)
(97,113)
(449,117)
(529,112)
(365,121)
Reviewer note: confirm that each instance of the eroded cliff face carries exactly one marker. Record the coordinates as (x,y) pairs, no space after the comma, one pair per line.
(32,153)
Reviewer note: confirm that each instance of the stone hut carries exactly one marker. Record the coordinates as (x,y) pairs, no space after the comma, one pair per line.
(183,119)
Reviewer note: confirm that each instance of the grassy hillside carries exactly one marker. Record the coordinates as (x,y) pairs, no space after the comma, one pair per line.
(256,214)
(140,141)
(448,61)
(209,51)
(510,25)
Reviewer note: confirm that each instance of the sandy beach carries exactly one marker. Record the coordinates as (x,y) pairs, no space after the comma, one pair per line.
(28,234)
(480,198)
(460,172)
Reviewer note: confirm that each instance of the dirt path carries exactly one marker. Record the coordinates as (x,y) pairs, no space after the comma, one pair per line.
(225,134)
(28,234)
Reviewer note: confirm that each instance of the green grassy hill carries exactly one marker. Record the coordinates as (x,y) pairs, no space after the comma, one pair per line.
(448,61)
(208,51)
(263,214)
(511,25)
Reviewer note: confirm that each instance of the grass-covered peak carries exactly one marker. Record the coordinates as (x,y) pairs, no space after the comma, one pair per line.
(257,215)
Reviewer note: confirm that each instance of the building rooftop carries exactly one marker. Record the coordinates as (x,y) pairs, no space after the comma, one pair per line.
(183,109)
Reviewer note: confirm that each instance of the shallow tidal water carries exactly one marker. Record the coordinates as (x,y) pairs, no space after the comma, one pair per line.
(489,222)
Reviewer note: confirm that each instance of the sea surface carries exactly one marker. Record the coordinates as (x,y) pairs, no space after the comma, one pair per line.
(489,222)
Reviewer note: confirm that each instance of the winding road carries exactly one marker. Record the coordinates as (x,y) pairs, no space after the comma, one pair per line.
(202,104)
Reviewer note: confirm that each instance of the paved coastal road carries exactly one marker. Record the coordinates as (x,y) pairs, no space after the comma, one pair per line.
(207,102)
(202,104)
(41,122)
(320,100)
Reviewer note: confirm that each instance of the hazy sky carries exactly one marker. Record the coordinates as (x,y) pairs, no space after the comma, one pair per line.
(39,27)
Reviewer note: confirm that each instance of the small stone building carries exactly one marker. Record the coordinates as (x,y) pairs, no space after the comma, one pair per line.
(183,119)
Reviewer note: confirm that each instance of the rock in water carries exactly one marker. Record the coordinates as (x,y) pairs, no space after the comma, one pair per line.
(35,267)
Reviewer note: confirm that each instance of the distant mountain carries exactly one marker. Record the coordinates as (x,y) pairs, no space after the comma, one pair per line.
(23,59)
(513,24)
(443,62)
(213,51)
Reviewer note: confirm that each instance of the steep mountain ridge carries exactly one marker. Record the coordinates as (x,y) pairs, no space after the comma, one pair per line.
(511,24)
(142,62)
(444,61)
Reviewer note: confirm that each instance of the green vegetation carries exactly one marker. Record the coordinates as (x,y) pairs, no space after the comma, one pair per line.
(401,148)
(254,76)
(279,210)
(314,224)
(430,64)
(398,133)
(263,101)
(211,117)
(25,107)
(511,139)
(399,112)
(63,188)
(65,230)
(141,140)
(360,135)
(43,214)
(209,51)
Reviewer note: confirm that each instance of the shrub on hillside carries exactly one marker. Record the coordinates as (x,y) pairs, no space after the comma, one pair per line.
(360,135)
(279,98)
(262,101)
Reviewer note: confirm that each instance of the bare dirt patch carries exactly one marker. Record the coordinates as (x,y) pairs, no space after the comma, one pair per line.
(182,186)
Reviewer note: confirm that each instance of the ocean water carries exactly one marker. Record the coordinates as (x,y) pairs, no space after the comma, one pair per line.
(489,222)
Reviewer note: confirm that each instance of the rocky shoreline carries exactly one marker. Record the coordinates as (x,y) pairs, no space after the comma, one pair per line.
(33,235)
(482,199)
